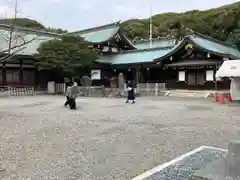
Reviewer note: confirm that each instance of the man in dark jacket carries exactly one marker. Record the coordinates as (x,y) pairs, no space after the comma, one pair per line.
(131,93)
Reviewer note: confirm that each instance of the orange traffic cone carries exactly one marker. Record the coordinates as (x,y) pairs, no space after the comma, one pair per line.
(216,97)
(229,98)
(223,99)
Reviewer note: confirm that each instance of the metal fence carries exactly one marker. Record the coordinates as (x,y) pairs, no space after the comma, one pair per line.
(143,89)
(151,89)
(93,91)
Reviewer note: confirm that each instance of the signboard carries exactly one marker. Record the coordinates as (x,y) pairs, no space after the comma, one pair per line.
(181,76)
(209,75)
(95,74)
(51,87)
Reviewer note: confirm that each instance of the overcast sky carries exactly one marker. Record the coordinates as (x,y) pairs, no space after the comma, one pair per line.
(79,14)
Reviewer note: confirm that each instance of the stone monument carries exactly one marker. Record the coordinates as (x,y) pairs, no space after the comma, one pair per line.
(121,84)
(224,168)
(232,167)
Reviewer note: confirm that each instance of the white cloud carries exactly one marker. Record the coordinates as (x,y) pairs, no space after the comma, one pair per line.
(6,12)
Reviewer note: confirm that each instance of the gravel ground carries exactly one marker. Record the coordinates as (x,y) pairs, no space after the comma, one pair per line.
(105,139)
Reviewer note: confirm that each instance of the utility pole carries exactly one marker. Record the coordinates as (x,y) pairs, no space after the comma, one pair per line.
(150,26)
(12,27)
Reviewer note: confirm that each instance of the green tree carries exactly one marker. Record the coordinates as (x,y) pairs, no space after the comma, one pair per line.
(217,23)
(23,22)
(57,30)
(66,55)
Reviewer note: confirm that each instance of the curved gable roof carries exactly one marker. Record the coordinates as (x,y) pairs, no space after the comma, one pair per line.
(135,56)
(215,46)
(25,40)
(98,34)
(207,44)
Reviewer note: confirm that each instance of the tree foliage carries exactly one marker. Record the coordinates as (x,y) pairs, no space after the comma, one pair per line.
(67,54)
(23,22)
(57,30)
(221,23)
(32,24)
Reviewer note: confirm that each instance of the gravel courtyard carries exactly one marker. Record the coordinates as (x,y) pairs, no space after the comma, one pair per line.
(105,139)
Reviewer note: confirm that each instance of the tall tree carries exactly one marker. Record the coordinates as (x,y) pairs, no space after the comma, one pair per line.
(217,23)
(67,54)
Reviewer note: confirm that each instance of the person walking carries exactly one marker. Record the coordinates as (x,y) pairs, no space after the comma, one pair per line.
(131,93)
(72,94)
(67,95)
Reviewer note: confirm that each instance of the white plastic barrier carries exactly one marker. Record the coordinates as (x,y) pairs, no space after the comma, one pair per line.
(21,91)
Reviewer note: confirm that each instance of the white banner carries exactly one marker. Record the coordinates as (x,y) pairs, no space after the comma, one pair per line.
(209,75)
(95,74)
(181,76)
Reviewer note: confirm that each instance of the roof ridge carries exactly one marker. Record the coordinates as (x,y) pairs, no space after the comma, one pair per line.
(7,26)
(212,39)
(96,28)
(143,50)
(154,39)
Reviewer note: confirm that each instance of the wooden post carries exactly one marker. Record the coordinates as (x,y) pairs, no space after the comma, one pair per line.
(148,89)
(156,89)
(4,79)
(21,73)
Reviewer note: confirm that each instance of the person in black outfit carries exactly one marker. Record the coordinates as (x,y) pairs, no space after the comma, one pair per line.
(131,94)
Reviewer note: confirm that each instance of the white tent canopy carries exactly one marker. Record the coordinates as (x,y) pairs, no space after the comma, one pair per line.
(230,68)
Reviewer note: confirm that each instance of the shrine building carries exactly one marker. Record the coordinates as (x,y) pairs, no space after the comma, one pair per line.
(188,64)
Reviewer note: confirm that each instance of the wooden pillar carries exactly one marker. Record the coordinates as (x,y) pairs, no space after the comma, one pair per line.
(36,83)
(138,75)
(21,73)
(4,74)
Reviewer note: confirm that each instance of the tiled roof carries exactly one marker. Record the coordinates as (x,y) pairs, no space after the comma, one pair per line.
(98,34)
(157,53)
(135,56)
(205,42)
(215,46)
(21,35)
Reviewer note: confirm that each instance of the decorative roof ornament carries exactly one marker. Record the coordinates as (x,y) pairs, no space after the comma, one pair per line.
(188,46)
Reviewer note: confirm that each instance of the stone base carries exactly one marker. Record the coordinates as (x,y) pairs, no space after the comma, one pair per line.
(216,170)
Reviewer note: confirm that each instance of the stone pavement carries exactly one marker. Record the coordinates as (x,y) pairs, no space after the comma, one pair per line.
(105,138)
